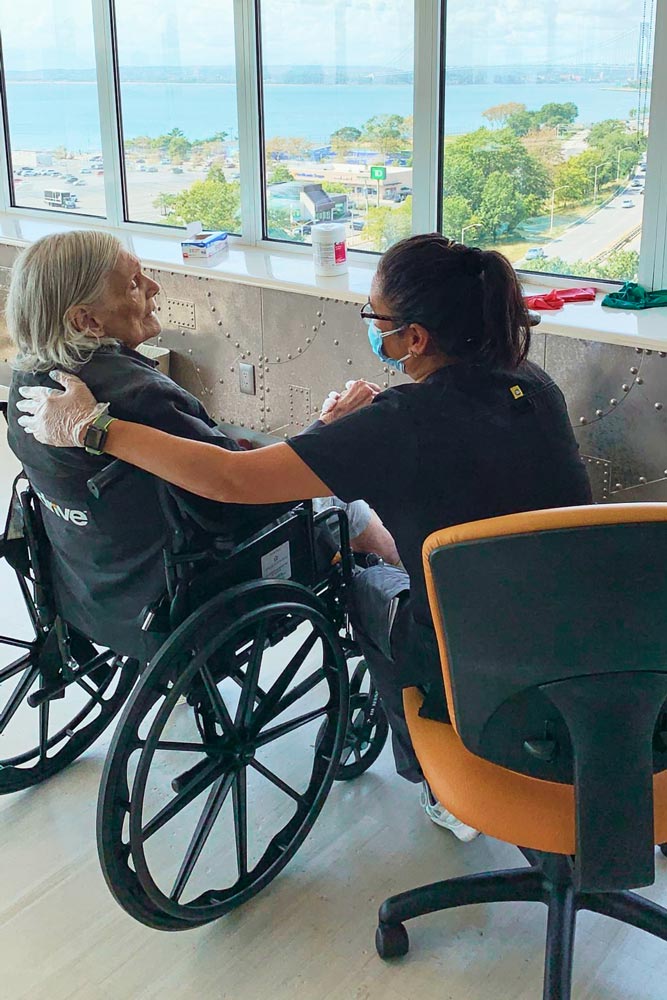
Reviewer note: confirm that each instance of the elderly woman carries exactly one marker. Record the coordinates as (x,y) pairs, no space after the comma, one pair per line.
(80,302)
(478,432)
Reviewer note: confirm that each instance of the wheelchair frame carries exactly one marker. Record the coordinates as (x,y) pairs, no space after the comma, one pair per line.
(352,730)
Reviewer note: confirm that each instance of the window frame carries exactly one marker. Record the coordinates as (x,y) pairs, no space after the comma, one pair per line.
(430,25)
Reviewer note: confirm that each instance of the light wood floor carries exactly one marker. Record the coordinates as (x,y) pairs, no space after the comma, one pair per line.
(310,934)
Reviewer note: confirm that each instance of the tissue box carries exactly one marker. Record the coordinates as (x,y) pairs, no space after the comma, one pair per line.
(203,244)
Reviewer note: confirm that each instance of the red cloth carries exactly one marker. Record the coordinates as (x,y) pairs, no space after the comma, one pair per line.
(557,297)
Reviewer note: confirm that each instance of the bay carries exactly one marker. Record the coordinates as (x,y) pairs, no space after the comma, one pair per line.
(45,115)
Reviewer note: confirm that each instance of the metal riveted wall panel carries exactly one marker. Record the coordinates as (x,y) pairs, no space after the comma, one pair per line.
(311,346)
(617,398)
(205,360)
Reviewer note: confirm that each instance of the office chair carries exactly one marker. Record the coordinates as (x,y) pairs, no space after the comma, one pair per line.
(552,633)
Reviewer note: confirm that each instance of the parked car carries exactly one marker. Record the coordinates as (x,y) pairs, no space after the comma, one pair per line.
(358,224)
(151,170)
(86,170)
(535,253)
(627,203)
(177,170)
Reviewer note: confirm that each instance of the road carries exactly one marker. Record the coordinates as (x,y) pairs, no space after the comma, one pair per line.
(601,231)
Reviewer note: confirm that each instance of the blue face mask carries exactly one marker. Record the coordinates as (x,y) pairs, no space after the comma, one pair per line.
(375,338)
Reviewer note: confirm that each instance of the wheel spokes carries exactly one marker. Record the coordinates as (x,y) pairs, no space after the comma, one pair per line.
(265,712)
(217,703)
(14,668)
(269,735)
(297,692)
(240,802)
(278,782)
(249,690)
(214,803)
(43,730)
(199,783)
(20,692)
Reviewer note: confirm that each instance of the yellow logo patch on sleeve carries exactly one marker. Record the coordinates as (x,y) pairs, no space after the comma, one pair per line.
(517,391)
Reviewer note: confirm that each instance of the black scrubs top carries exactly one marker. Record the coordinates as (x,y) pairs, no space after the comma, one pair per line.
(467,443)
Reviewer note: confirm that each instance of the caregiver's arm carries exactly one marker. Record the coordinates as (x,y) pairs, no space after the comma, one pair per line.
(268,475)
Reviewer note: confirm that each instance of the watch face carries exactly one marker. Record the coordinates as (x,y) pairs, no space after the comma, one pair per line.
(94,438)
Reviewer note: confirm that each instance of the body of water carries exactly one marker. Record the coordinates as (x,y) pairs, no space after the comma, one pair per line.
(43,116)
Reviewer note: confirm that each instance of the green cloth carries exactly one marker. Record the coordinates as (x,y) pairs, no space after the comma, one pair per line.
(634,296)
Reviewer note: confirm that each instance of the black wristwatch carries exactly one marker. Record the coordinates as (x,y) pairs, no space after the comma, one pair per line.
(96,434)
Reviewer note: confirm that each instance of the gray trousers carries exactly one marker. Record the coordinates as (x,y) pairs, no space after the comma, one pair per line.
(399,652)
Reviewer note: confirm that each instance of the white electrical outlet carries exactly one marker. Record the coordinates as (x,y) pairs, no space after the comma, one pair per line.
(247,378)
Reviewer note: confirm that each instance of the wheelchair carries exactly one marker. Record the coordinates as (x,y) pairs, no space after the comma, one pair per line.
(230,737)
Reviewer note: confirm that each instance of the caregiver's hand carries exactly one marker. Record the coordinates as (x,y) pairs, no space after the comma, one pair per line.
(59,418)
(357,394)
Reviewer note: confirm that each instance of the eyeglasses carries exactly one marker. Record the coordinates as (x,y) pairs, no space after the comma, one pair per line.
(367,314)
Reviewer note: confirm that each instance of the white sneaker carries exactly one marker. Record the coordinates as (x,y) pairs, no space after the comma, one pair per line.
(441,817)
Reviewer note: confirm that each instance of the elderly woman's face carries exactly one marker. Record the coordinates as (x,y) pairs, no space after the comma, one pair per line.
(126,311)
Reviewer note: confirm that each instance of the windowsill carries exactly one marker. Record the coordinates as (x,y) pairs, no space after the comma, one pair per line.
(292,271)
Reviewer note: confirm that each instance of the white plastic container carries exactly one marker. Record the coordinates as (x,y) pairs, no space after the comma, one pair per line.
(329,249)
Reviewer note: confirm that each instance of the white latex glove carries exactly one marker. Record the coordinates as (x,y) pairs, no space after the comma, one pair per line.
(333,398)
(59,418)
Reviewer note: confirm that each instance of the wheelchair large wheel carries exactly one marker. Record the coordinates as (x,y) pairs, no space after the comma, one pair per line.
(215,774)
(367,727)
(36,743)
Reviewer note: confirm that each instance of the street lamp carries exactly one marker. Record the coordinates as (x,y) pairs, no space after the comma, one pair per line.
(561,187)
(595,185)
(623,149)
(473,225)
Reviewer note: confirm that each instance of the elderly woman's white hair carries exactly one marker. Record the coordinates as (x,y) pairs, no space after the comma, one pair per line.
(49,280)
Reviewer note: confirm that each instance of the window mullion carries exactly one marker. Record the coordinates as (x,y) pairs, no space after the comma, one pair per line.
(5,199)
(426,103)
(106,92)
(653,253)
(247,77)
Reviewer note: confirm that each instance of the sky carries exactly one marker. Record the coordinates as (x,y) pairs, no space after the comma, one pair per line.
(58,33)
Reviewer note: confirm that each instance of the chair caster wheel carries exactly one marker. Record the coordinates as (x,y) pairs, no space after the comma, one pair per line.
(391,940)
(663,848)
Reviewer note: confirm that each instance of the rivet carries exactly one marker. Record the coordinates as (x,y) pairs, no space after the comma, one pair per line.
(182,333)
(308,340)
(625,387)
(336,343)
(391,374)
(662,354)
(228,336)
(634,370)
(189,350)
(639,380)
(613,402)
(236,344)
(658,406)
(286,436)
(199,369)
(219,322)
(642,479)
(618,486)
(212,309)
(277,359)
(268,427)
(314,329)
(598,413)
(648,353)
(300,350)
(208,295)
(638,350)
(289,357)
(319,313)
(267,389)
(385,384)
(220,381)
(349,361)
(582,420)
(231,368)
(323,322)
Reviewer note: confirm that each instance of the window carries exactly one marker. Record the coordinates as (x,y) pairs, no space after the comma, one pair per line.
(337,100)
(52,113)
(177,78)
(546,127)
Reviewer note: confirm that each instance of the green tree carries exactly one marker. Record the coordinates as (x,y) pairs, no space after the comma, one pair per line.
(621,265)
(386,226)
(522,122)
(500,113)
(386,133)
(553,114)
(502,206)
(456,213)
(279,175)
(343,139)
(178,149)
(279,224)
(214,201)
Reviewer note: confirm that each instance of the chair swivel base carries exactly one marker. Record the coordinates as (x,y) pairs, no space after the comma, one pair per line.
(549,880)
